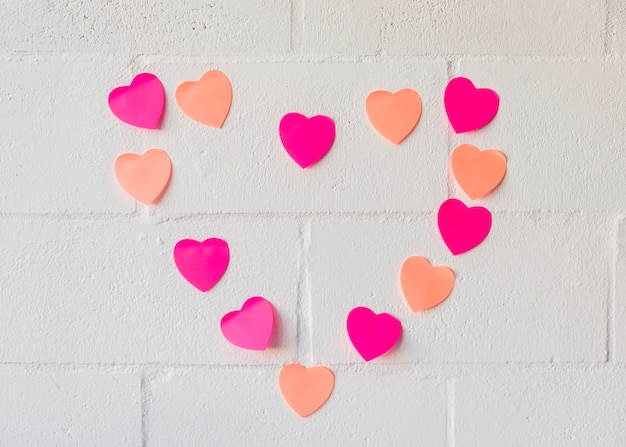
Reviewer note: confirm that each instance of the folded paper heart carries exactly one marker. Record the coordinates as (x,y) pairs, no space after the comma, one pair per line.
(477,173)
(306,140)
(305,390)
(394,115)
(462,228)
(251,327)
(202,263)
(208,100)
(145,177)
(141,103)
(372,335)
(469,108)
(425,286)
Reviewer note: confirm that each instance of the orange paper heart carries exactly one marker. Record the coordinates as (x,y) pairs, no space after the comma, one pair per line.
(208,100)
(478,173)
(423,285)
(146,176)
(394,115)
(305,390)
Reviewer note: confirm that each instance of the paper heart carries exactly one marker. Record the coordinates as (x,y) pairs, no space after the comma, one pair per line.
(208,100)
(463,228)
(372,335)
(478,173)
(394,115)
(424,286)
(305,390)
(469,108)
(251,327)
(145,177)
(141,103)
(202,263)
(306,140)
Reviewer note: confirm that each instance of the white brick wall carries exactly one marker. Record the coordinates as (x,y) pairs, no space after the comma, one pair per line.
(102,343)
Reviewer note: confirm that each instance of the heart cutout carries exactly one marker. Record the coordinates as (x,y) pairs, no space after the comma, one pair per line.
(202,263)
(372,335)
(425,286)
(306,140)
(463,228)
(394,115)
(469,108)
(208,100)
(477,173)
(141,103)
(145,177)
(251,327)
(305,389)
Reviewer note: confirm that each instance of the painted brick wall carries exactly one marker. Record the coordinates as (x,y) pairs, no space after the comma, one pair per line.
(103,344)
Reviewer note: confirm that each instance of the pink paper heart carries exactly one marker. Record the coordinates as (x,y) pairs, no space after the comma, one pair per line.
(469,108)
(251,327)
(372,335)
(202,263)
(306,140)
(141,103)
(463,228)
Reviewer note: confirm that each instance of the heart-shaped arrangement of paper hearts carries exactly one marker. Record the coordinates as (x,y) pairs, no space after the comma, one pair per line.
(307,140)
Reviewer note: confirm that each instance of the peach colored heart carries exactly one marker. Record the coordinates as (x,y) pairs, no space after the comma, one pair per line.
(394,115)
(305,390)
(424,286)
(478,173)
(145,177)
(208,100)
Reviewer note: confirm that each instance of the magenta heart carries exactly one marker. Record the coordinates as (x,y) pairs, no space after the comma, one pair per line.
(469,108)
(202,263)
(372,335)
(463,228)
(306,140)
(141,103)
(251,327)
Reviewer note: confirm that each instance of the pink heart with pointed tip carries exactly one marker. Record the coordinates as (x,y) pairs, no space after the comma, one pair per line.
(141,103)
(372,335)
(202,263)
(251,327)
(469,108)
(306,140)
(463,228)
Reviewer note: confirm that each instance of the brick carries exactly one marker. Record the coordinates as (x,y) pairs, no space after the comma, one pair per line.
(67,408)
(244,407)
(557,126)
(244,168)
(192,27)
(400,27)
(534,27)
(540,406)
(617,21)
(620,296)
(343,27)
(534,291)
(108,291)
